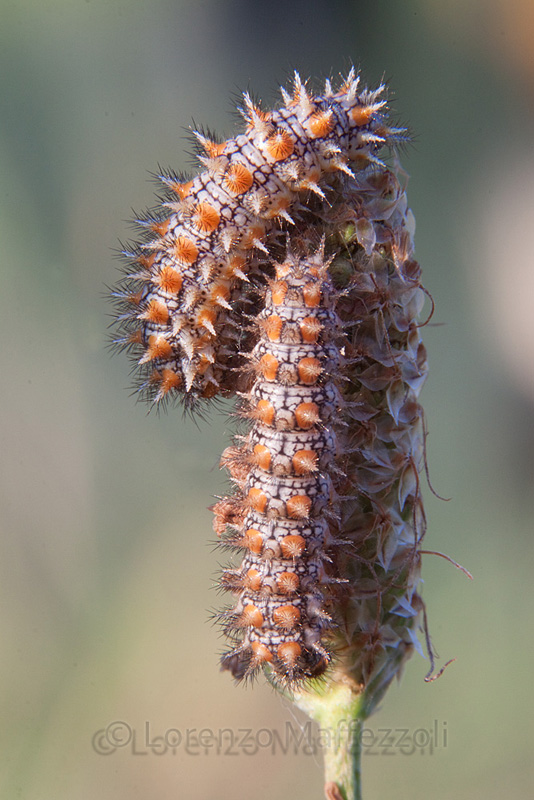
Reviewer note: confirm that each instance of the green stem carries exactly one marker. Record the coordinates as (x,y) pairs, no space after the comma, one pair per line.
(340,713)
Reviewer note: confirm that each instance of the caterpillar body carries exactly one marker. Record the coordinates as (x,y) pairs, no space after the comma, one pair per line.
(179,301)
(283,472)
(327,513)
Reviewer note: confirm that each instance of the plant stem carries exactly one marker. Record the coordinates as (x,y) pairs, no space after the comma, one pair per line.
(340,713)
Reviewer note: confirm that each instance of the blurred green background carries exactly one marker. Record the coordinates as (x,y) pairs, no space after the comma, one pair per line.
(106,570)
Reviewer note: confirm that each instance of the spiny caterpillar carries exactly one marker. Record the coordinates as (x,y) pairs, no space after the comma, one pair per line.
(283,473)
(179,301)
(283,274)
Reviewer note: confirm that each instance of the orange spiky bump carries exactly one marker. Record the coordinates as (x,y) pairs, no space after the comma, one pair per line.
(251,616)
(206,218)
(309,370)
(253,541)
(253,580)
(158,347)
(146,261)
(225,513)
(169,279)
(136,337)
(160,227)
(298,507)
(262,457)
(287,582)
(286,617)
(280,145)
(170,380)
(252,236)
(268,366)
(220,293)
(289,653)
(156,312)
(307,415)
(305,462)
(257,499)
(273,327)
(310,328)
(182,189)
(320,124)
(265,412)
(234,267)
(361,115)
(278,292)
(213,149)
(312,295)
(209,390)
(206,318)
(260,653)
(238,178)
(293,546)
(185,251)
(283,270)
(135,298)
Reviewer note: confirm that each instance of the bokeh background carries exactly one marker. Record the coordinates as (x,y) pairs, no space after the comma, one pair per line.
(106,570)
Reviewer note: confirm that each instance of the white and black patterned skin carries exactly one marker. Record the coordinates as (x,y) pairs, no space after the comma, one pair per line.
(179,302)
(284,476)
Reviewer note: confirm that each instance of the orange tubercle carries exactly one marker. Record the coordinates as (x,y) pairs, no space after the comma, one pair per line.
(289,652)
(268,366)
(251,616)
(253,541)
(278,292)
(182,189)
(252,235)
(310,328)
(260,653)
(321,123)
(287,582)
(273,327)
(257,499)
(238,178)
(161,227)
(206,318)
(361,114)
(298,506)
(157,312)
(262,457)
(305,462)
(135,298)
(280,145)
(265,412)
(286,616)
(213,149)
(253,580)
(307,415)
(169,279)
(282,270)
(220,291)
(185,250)
(312,295)
(170,380)
(292,546)
(309,370)
(136,337)
(158,347)
(206,218)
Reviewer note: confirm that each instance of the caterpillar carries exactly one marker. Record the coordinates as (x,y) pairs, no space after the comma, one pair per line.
(283,274)
(283,473)
(179,303)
